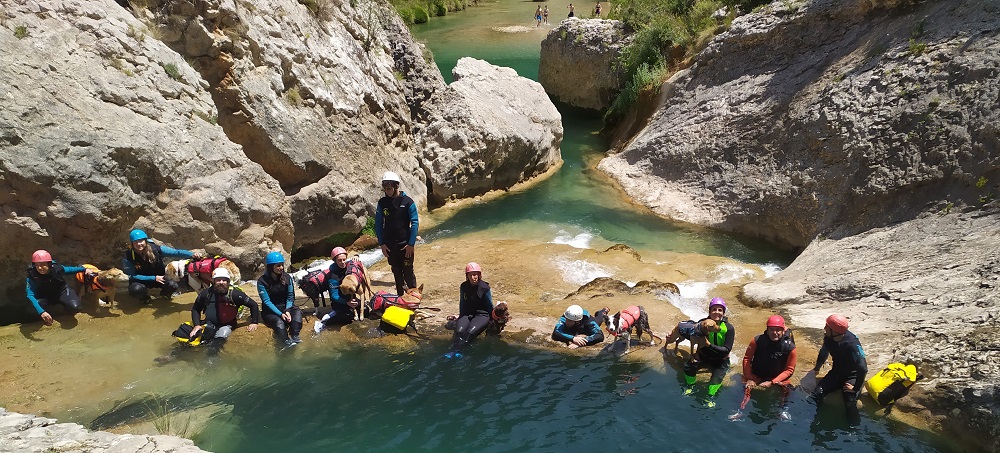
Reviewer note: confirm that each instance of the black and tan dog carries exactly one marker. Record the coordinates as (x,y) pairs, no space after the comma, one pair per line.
(624,323)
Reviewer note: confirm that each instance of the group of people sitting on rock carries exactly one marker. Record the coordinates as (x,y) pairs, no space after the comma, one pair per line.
(769,360)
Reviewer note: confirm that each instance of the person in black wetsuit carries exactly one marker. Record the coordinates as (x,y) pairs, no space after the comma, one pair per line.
(713,353)
(849,366)
(396,226)
(769,361)
(343,305)
(46,286)
(278,296)
(577,328)
(221,303)
(474,308)
(143,263)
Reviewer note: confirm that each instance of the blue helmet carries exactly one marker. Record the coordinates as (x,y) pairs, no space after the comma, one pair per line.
(274,258)
(137,235)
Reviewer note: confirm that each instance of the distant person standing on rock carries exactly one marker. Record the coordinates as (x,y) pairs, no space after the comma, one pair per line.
(46,285)
(849,366)
(545,15)
(597,10)
(572,10)
(143,263)
(538,16)
(396,229)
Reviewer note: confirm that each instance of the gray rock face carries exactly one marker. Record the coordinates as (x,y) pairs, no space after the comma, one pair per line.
(578,62)
(24,433)
(826,120)
(866,135)
(310,96)
(98,137)
(489,129)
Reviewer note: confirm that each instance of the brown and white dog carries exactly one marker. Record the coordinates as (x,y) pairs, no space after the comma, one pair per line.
(100,286)
(355,282)
(627,321)
(198,274)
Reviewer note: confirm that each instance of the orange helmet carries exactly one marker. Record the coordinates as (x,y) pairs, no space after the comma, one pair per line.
(837,324)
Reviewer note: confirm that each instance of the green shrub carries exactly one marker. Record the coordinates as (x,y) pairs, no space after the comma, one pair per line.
(172,71)
(369,228)
(420,15)
(439,8)
(406,14)
(21,31)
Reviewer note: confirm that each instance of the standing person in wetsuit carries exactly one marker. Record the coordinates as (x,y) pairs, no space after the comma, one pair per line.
(770,360)
(46,285)
(577,328)
(849,366)
(474,307)
(143,263)
(713,353)
(278,296)
(396,229)
(220,303)
(343,305)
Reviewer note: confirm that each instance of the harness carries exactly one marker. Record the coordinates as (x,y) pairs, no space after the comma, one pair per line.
(382,300)
(354,268)
(90,281)
(628,317)
(203,268)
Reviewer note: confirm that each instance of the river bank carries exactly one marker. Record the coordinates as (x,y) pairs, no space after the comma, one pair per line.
(114,351)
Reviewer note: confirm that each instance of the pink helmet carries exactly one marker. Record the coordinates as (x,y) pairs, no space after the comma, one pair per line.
(40,256)
(718,301)
(473,267)
(776,321)
(337,251)
(837,324)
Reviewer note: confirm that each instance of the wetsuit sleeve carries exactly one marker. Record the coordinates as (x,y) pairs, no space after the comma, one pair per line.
(254,309)
(414,224)
(559,333)
(31,296)
(724,349)
(290,301)
(789,368)
(266,298)
(69,270)
(197,308)
(333,284)
(171,252)
(128,267)
(821,357)
(378,222)
(748,361)
(595,335)
(860,365)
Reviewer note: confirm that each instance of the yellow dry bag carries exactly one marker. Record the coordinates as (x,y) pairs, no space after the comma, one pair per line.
(397,317)
(892,383)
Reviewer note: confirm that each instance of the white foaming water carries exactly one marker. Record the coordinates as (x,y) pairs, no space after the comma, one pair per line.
(580,241)
(770,269)
(728,273)
(580,272)
(693,298)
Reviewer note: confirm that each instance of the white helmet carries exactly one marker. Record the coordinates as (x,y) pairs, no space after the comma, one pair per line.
(574,313)
(221,273)
(390,176)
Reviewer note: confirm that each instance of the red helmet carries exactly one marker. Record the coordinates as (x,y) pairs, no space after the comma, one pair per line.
(473,267)
(337,251)
(41,256)
(837,324)
(776,321)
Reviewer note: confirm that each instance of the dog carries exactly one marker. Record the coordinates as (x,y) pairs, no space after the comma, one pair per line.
(198,274)
(691,331)
(314,286)
(499,318)
(624,323)
(355,281)
(410,300)
(99,285)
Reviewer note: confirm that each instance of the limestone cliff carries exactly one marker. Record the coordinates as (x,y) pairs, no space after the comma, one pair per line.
(865,133)
(578,62)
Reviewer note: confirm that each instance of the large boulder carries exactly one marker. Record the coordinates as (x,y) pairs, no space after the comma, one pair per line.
(310,94)
(104,130)
(865,133)
(579,62)
(490,129)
